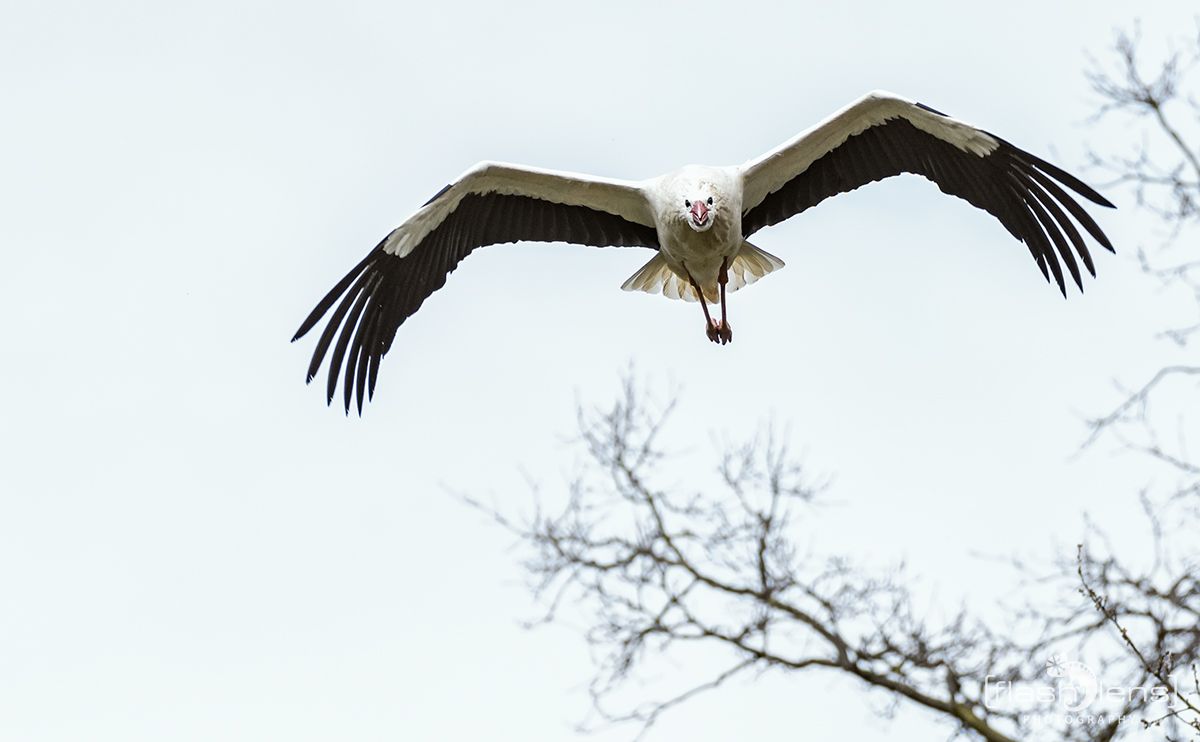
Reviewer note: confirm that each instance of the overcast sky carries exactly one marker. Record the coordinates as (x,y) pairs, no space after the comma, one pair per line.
(194,547)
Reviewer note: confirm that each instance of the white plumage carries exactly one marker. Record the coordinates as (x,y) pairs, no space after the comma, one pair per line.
(697,219)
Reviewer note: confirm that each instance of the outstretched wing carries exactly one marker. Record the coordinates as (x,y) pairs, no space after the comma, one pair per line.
(490,204)
(882,135)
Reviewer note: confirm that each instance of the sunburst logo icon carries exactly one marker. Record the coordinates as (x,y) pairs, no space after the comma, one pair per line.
(1075,683)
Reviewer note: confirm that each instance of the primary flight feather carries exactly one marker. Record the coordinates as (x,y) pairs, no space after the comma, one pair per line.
(697,219)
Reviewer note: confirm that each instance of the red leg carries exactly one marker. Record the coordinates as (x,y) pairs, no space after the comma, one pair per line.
(711,328)
(724,331)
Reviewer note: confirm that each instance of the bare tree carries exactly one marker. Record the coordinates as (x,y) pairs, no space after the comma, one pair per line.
(663,575)
(1154,608)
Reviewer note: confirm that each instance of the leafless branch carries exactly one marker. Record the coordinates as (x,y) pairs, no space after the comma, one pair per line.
(677,576)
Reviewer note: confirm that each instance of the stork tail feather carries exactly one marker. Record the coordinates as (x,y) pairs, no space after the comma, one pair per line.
(749,265)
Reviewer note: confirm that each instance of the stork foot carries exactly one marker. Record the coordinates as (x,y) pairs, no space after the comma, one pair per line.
(725,333)
(719,332)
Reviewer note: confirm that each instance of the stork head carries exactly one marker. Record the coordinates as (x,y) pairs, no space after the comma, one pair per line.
(700,209)
(701,197)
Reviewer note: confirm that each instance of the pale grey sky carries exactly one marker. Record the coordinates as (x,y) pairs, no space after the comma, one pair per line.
(193,547)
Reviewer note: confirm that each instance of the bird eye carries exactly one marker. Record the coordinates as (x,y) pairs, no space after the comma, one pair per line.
(710,200)
(687,204)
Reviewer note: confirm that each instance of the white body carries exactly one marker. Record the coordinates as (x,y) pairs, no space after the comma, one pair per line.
(684,249)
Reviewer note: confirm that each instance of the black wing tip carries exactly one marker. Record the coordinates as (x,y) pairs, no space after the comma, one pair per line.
(350,404)
(1045,170)
(1056,280)
(1056,172)
(1063,284)
(329,403)
(1062,287)
(309,324)
(931,109)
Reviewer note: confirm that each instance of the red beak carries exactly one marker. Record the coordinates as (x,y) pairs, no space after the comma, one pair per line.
(699,212)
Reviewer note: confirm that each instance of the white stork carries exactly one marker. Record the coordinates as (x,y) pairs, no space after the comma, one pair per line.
(696,219)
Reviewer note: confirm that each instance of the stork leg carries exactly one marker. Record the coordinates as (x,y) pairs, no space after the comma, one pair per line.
(724,331)
(711,328)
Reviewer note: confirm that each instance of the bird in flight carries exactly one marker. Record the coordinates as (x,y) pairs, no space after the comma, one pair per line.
(697,220)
